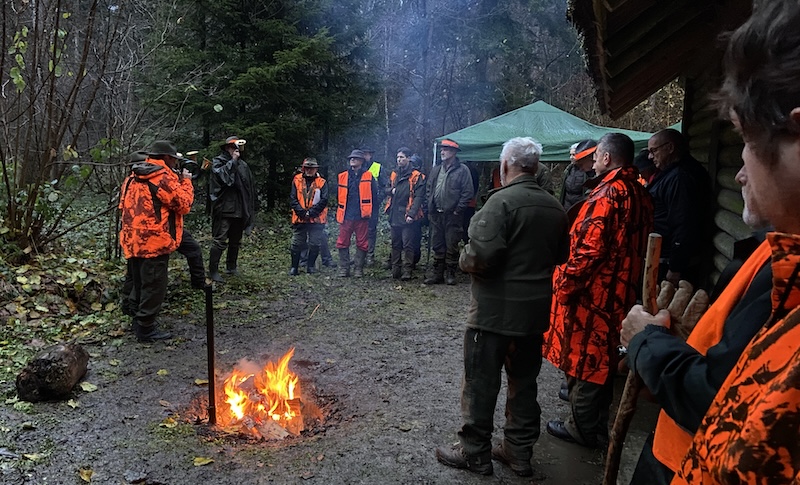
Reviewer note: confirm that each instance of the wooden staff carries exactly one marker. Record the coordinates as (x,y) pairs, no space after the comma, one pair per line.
(633,384)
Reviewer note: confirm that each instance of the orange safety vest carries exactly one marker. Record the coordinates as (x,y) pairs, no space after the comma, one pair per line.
(412,181)
(305,196)
(671,441)
(749,434)
(364,193)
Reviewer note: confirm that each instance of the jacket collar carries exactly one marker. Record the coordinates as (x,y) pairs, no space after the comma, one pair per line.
(785,269)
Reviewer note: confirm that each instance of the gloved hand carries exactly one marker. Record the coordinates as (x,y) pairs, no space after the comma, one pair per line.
(685,306)
(307,215)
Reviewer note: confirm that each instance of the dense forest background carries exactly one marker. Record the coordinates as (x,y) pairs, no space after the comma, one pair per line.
(85,83)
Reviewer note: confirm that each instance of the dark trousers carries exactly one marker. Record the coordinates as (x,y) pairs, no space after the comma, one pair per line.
(372,232)
(190,248)
(305,236)
(649,470)
(589,404)
(485,355)
(446,232)
(227,233)
(416,241)
(149,278)
(358,227)
(403,243)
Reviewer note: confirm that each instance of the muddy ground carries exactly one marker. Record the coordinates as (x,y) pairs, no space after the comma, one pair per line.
(382,359)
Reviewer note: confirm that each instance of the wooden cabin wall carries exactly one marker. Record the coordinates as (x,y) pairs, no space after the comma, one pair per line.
(714,143)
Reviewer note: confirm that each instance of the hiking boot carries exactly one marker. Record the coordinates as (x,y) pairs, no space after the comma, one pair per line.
(215,276)
(406,274)
(522,468)
(150,333)
(435,273)
(294,271)
(450,275)
(232,271)
(455,457)
(311,269)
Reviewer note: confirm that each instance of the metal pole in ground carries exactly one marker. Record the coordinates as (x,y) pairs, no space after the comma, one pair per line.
(212,408)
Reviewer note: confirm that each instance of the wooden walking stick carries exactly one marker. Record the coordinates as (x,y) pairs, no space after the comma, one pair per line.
(633,384)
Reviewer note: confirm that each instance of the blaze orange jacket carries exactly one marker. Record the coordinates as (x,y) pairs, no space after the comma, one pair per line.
(595,288)
(153,200)
(303,197)
(671,441)
(750,432)
(364,195)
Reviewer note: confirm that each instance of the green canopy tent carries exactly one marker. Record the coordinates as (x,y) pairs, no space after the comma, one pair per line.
(556,130)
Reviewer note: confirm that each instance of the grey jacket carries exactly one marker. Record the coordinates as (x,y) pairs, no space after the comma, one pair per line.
(458,188)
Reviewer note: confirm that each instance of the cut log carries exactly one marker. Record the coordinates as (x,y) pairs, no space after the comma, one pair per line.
(53,373)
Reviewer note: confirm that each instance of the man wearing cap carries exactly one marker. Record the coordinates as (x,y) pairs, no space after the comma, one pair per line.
(232,194)
(309,202)
(153,201)
(381,175)
(189,248)
(449,192)
(356,198)
(577,173)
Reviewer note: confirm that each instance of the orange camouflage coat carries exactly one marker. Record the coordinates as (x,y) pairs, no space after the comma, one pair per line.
(595,288)
(153,200)
(751,432)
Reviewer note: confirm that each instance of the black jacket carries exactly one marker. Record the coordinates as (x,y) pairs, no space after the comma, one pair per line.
(682,202)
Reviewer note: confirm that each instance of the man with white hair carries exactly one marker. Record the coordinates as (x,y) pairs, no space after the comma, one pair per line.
(515,241)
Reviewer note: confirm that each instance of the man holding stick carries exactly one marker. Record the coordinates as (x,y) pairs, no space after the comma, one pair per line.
(749,433)
(596,287)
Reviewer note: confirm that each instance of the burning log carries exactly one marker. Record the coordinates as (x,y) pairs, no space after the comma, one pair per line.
(53,373)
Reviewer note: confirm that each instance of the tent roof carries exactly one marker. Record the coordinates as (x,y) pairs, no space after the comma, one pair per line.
(556,130)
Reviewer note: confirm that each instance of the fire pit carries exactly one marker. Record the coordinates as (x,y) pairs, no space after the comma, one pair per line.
(265,401)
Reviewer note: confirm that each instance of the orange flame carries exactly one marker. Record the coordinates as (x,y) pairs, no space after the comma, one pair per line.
(270,393)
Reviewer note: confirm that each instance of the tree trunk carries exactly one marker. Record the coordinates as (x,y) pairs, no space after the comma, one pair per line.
(53,373)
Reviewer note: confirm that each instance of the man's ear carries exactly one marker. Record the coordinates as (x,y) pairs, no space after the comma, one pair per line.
(794,117)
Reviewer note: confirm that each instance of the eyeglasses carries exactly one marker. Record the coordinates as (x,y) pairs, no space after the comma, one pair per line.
(653,150)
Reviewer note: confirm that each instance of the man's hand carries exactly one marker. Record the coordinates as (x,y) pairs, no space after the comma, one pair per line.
(186,174)
(638,319)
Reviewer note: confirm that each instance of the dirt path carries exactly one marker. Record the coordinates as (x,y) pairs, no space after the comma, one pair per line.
(383,358)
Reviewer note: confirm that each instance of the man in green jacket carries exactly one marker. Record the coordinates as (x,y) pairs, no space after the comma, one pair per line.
(515,241)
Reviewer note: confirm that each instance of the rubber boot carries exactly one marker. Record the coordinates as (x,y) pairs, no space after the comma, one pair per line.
(450,275)
(295,269)
(311,264)
(408,264)
(360,259)
(435,273)
(344,262)
(396,259)
(213,264)
(231,261)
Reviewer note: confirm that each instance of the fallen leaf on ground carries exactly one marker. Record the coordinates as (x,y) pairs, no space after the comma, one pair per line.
(86,474)
(200,461)
(306,475)
(114,362)
(162,372)
(169,423)
(88,386)
(73,404)
(201,382)
(33,456)
(164,403)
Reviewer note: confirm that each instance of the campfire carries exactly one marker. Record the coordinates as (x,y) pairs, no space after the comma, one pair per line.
(264,401)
